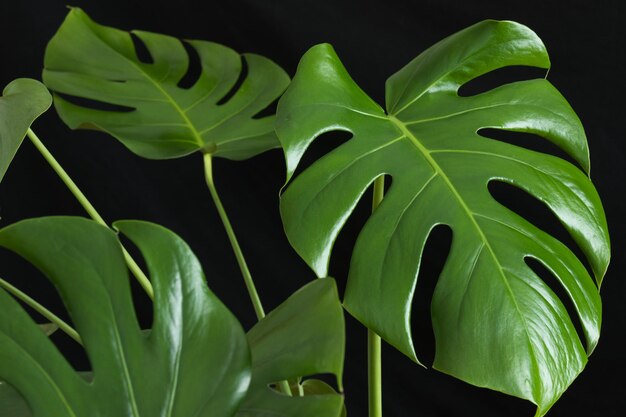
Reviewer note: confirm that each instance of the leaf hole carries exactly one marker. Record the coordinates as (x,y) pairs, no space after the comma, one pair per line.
(434,255)
(343,247)
(387,182)
(557,288)
(194,67)
(233,90)
(141,50)
(299,386)
(270,110)
(499,77)
(529,141)
(95,104)
(537,213)
(328,378)
(341,255)
(321,146)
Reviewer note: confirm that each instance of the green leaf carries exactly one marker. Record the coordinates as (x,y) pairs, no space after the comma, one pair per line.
(22,101)
(303,336)
(496,323)
(317,387)
(11,402)
(195,362)
(48,328)
(159,119)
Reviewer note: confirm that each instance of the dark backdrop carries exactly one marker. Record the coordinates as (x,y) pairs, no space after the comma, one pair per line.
(374,39)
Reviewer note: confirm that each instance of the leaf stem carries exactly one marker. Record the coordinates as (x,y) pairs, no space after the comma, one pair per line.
(241,261)
(374,374)
(374,351)
(49,315)
(247,277)
(89,208)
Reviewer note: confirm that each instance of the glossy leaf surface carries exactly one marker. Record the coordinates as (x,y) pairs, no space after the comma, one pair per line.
(151,114)
(22,101)
(11,402)
(496,323)
(304,336)
(194,362)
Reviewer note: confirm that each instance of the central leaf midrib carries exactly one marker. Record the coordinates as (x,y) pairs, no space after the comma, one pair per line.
(170,99)
(177,357)
(439,171)
(126,373)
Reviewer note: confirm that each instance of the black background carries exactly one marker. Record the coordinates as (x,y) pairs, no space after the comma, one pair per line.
(374,39)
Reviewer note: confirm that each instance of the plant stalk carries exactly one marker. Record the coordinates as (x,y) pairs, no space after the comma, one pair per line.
(241,261)
(374,351)
(243,266)
(89,208)
(374,374)
(49,315)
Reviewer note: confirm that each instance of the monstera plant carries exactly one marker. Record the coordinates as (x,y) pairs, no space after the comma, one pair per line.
(195,360)
(497,324)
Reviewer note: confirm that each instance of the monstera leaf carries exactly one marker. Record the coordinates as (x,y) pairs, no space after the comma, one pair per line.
(304,336)
(195,361)
(152,115)
(22,101)
(496,323)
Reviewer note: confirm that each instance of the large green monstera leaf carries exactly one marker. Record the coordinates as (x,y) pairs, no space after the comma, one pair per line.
(496,323)
(22,101)
(194,362)
(196,359)
(158,118)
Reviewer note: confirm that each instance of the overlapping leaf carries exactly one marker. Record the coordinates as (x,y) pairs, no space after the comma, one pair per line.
(194,362)
(11,402)
(157,118)
(22,101)
(304,336)
(496,323)
(195,359)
